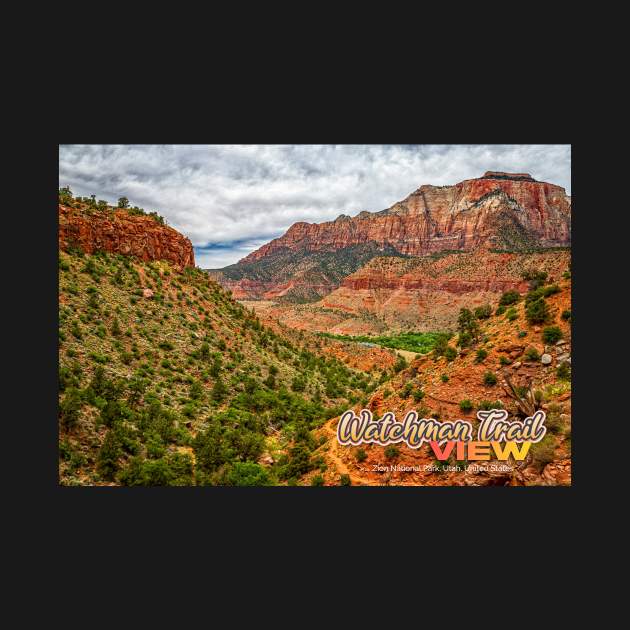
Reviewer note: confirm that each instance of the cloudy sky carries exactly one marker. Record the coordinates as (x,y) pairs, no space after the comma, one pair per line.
(230,199)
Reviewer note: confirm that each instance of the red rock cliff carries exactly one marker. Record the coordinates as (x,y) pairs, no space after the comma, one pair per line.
(121,233)
(437,218)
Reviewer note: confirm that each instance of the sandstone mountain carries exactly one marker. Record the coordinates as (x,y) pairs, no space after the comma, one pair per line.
(500,211)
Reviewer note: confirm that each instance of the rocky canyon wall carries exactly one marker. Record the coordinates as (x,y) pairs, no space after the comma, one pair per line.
(121,233)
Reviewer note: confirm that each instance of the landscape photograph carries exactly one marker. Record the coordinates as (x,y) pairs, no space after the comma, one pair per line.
(223,308)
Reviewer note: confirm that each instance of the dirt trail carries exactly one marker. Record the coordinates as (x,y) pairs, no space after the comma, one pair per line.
(358,480)
(332,453)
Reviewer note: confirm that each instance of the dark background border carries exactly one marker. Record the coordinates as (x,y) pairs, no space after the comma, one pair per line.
(303,515)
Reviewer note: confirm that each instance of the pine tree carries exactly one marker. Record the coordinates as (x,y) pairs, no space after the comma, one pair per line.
(116,328)
(215,368)
(70,407)
(218,390)
(108,455)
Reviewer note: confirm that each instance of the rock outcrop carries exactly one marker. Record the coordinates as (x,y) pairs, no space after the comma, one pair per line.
(422,293)
(505,210)
(121,233)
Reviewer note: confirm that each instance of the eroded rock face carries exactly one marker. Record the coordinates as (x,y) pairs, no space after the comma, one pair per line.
(428,294)
(500,209)
(121,233)
(424,293)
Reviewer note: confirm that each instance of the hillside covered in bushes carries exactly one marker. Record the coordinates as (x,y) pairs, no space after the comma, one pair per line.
(164,379)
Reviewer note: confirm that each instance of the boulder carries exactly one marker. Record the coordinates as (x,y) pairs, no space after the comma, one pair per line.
(546,359)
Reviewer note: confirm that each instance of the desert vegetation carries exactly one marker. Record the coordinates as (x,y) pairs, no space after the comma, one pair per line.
(90,205)
(185,386)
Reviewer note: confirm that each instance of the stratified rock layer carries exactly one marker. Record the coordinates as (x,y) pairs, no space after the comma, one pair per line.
(500,209)
(121,233)
(422,293)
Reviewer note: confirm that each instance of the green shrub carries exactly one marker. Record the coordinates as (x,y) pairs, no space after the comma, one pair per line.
(98,358)
(467,323)
(489,378)
(344,480)
(552,289)
(531,354)
(248,474)
(418,394)
(450,353)
(465,405)
(535,278)
(116,331)
(441,343)
(111,413)
(317,480)
(522,333)
(509,297)
(511,314)
(141,472)
(486,405)
(391,451)
(500,310)
(566,315)
(401,364)
(215,368)
(70,407)
(483,312)
(503,360)
(481,355)
(543,452)
(444,378)
(108,456)
(564,371)
(554,424)
(551,334)
(360,455)
(155,446)
(537,311)
(75,329)
(196,390)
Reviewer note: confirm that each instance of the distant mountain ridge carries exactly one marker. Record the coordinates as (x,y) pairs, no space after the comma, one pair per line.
(505,211)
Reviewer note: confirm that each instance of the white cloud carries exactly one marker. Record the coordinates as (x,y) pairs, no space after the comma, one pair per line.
(249,194)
